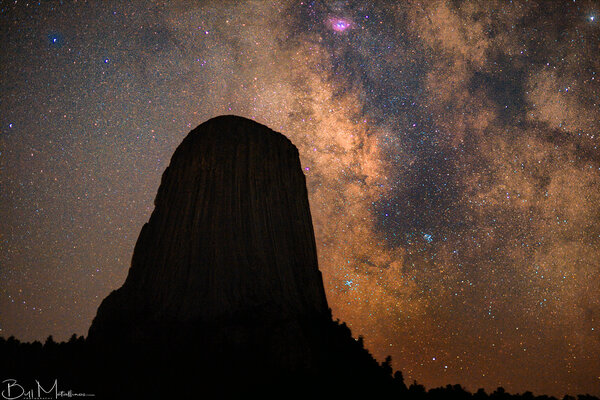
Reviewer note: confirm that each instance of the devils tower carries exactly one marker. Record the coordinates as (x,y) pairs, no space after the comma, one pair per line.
(225,274)
(231,235)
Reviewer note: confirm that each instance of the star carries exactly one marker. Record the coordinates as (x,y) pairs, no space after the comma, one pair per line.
(55,39)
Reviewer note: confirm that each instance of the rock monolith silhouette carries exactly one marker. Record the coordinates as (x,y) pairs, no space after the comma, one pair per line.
(231,234)
(225,275)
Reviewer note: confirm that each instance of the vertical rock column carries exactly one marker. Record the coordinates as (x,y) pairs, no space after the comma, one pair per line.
(231,237)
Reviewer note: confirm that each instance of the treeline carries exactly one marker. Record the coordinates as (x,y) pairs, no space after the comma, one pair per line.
(417,391)
(117,372)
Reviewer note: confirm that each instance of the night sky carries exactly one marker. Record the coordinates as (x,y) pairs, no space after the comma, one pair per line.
(450,149)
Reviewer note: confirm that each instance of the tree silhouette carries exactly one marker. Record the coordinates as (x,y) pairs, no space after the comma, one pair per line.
(162,372)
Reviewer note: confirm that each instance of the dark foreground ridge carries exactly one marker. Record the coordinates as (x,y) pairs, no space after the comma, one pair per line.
(224,296)
(28,368)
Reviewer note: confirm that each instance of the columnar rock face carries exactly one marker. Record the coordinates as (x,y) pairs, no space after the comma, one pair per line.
(230,239)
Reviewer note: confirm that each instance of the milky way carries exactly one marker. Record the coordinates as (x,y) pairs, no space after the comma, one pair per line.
(450,148)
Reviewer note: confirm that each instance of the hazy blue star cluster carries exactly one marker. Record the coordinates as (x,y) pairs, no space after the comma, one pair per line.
(450,148)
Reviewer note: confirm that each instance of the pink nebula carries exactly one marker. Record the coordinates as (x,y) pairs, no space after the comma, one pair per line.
(339,24)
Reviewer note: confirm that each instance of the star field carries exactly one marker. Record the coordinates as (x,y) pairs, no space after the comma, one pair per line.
(450,149)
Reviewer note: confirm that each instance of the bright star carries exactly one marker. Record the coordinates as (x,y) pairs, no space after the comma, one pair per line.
(55,39)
